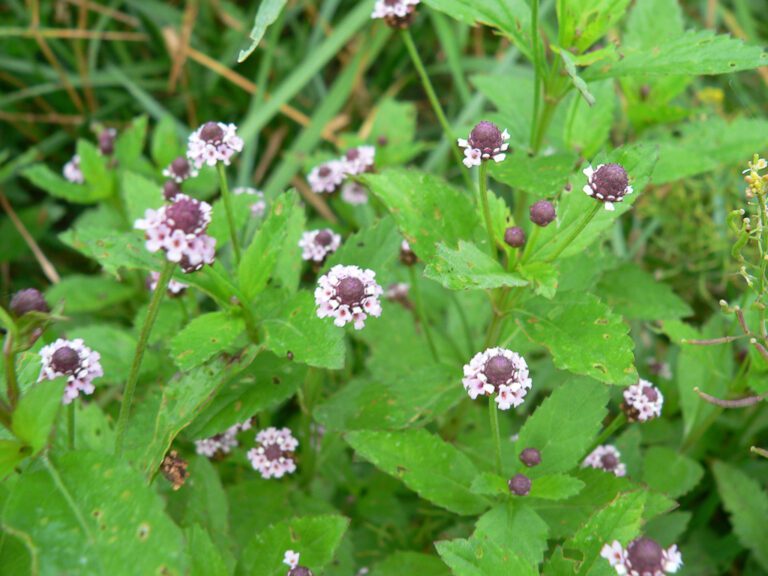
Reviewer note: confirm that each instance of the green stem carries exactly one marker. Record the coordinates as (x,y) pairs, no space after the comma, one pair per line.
(225,195)
(530,244)
(71,425)
(133,377)
(10,370)
(483,190)
(578,229)
(493,412)
(615,424)
(438,109)
(420,312)
(536,68)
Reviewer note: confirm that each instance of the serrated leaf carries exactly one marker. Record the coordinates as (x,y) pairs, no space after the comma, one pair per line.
(316,538)
(80,293)
(469,268)
(667,471)
(37,409)
(204,337)
(517,528)
(95,169)
(94,515)
(576,80)
(12,452)
(539,176)
(139,195)
(205,558)
(269,11)
(375,247)
(542,276)
(583,336)
(434,469)
(481,556)
(747,505)
(426,208)
(111,250)
(130,142)
(584,22)
(400,563)
(165,146)
(588,127)
(115,345)
(45,179)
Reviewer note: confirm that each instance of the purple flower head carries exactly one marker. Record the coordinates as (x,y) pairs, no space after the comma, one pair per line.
(259,206)
(348,294)
(359,160)
(407,256)
(107,141)
(485,141)
(72,172)
(530,457)
(608,183)
(642,402)
(519,485)
(179,230)
(73,359)
(606,458)
(175,288)
(642,557)
(223,443)
(179,170)
(327,177)
(28,300)
(212,143)
(354,193)
(170,190)
(542,213)
(498,371)
(514,236)
(396,13)
(317,245)
(273,455)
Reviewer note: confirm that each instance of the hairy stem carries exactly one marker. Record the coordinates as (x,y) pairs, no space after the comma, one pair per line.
(536,68)
(578,229)
(133,377)
(610,430)
(483,191)
(225,195)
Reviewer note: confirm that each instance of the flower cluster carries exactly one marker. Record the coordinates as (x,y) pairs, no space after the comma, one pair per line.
(606,458)
(642,402)
(72,172)
(485,141)
(498,371)
(757,183)
(259,206)
(354,193)
(107,139)
(348,294)
(179,230)
(73,359)
(608,183)
(327,177)
(221,444)
(317,245)
(642,557)
(175,288)
(179,170)
(212,143)
(273,455)
(291,559)
(396,13)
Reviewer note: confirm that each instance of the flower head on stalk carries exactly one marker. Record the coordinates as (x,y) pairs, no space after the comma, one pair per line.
(499,372)
(179,170)
(485,142)
(259,206)
(73,359)
(274,454)
(606,458)
(179,229)
(72,172)
(348,294)
(608,183)
(212,143)
(28,300)
(642,557)
(642,402)
(221,444)
(327,177)
(396,13)
(317,245)
(359,160)
(175,288)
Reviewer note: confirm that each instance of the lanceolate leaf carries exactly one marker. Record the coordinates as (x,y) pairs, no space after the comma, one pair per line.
(469,268)
(269,11)
(204,337)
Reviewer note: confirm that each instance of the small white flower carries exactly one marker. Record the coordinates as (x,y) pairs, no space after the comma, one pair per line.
(175,288)
(327,177)
(291,558)
(72,171)
(389,9)
(220,444)
(317,245)
(213,142)
(605,457)
(259,207)
(73,359)
(273,456)
(642,402)
(359,160)
(354,193)
(672,560)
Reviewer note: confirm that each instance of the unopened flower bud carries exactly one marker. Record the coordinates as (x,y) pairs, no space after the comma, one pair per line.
(514,236)
(542,213)
(520,485)
(28,300)
(530,457)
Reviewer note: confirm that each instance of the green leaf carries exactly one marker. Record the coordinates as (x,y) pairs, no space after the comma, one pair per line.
(404,401)
(130,142)
(588,127)
(113,250)
(695,53)
(584,22)
(116,347)
(139,194)
(96,172)
(241,214)
(576,80)
(635,294)
(583,336)
(469,268)
(33,417)
(316,538)
(516,528)
(401,563)
(11,453)
(542,276)
(481,556)
(539,176)
(205,558)
(204,337)
(555,487)
(375,247)
(426,464)
(269,11)
(165,145)
(80,294)
(426,209)
(45,179)
(667,471)
(747,505)
(261,256)
(94,515)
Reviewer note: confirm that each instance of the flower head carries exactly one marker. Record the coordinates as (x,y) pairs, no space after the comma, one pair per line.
(73,359)
(354,193)
(72,172)
(542,213)
(28,300)
(530,457)
(514,236)
(179,230)
(327,177)
(179,170)
(317,245)
(396,13)
(213,142)
(221,444)
(259,206)
(642,402)
(359,160)
(170,190)
(608,183)
(175,288)
(273,455)
(107,139)
(485,141)
(642,557)
(659,368)
(519,485)
(498,371)
(606,458)
(348,294)
(407,256)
